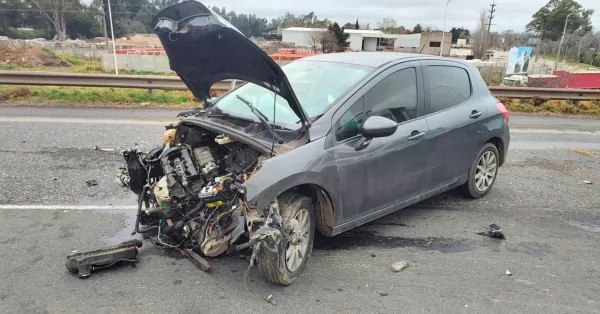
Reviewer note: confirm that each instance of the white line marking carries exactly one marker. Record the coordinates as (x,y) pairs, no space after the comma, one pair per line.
(549,131)
(85,121)
(69,207)
(117,121)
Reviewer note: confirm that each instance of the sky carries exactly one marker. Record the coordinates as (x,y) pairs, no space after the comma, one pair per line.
(510,14)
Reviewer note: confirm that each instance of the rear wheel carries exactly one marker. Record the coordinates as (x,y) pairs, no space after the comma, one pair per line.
(292,256)
(483,172)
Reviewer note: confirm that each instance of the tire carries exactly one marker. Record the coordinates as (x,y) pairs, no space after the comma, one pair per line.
(472,188)
(274,266)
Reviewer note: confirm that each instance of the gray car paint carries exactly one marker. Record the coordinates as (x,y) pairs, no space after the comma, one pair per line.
(387,164)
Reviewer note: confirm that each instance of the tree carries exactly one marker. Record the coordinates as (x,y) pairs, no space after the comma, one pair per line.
(315,38)
(356,26)
(328,42)
(509,39)
(349,26)
(341,38)
(387,25)
(480,35)
(549,21)
(417,29)
(459,33)
(58,12)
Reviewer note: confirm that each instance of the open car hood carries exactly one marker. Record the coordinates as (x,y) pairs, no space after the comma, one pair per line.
(203,48)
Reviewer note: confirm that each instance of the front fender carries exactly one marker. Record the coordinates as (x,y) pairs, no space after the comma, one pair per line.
(307,164)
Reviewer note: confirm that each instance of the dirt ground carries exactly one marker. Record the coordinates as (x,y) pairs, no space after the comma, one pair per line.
(33,56)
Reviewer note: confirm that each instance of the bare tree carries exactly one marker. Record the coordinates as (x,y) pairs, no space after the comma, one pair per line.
(58,12)
(328,42)
(315,38)
(509,39)
(479,35)
(387,25)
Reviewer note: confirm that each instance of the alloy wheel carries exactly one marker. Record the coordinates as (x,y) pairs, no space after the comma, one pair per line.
(487,168)
(297,249)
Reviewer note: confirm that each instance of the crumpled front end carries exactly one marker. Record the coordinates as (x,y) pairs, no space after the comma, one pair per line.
(192,198)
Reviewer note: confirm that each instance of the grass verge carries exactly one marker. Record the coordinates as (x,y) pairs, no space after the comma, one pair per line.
(95,97)
(544,106)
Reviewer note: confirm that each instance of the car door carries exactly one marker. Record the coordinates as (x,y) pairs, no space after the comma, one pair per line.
(388,170)
(454,118)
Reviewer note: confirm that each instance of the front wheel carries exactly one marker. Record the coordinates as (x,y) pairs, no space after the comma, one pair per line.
(292,256)
(483,172)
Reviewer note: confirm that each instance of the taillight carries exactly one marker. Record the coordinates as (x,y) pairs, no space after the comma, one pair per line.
(503,110)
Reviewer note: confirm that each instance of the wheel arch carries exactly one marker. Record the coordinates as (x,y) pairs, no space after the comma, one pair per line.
(499,143)
(322,203)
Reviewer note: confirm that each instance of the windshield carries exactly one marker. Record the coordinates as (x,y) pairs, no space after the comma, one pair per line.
(316,85)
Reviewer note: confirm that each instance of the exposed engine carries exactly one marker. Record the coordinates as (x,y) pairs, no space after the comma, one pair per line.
(191,193)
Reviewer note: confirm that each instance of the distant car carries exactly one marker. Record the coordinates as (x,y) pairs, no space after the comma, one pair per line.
(350,137)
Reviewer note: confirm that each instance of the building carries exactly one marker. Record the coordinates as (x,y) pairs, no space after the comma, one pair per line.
(431,43)
(374,40)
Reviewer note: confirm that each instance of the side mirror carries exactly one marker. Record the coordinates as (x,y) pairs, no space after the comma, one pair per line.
(377,126)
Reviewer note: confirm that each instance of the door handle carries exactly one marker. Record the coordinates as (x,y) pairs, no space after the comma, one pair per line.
(475,114)
(415,135)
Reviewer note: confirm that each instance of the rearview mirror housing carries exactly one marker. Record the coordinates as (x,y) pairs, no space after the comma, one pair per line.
(376,126)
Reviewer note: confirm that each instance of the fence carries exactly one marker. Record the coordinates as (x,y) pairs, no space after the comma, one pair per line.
(493,71)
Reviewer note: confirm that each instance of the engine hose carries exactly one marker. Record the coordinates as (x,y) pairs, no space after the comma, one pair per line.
(139,214)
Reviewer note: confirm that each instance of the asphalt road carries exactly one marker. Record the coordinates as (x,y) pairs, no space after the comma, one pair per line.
(550,217)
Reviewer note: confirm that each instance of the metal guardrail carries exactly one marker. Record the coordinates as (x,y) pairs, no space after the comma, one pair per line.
(547,93)
(175,83)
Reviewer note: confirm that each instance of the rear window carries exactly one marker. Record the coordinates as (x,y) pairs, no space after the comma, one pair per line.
(449,86)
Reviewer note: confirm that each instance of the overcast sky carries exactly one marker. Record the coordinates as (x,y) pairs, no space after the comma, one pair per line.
(510,14)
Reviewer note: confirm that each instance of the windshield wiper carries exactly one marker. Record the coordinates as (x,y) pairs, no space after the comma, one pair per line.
(263,119)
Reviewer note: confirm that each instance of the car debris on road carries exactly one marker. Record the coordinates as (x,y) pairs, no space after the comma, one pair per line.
(493,231)
(85,263)
(400,266)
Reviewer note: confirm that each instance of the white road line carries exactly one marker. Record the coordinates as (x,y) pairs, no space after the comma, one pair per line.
(549,131)
(167,121)
(69,207)
(85,121)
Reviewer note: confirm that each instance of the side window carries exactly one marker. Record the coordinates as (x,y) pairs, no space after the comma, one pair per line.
(449,86)
(395,97)
(350,122)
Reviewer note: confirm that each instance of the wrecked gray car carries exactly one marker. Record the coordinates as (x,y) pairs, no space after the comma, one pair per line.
(325,143)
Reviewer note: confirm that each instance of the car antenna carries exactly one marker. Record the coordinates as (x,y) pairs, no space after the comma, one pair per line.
(273,133)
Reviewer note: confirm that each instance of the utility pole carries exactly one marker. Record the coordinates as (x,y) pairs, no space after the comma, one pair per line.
(562,39)
(487,38)
(104,26)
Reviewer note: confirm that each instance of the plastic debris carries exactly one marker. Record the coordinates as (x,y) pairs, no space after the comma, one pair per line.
(91,182)
(494,231)
(399,266)
(383,294)
(587,182)
(508,273)
(104,149)
(270,299)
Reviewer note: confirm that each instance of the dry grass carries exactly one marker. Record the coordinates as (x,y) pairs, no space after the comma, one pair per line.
(585,152)
(543,106)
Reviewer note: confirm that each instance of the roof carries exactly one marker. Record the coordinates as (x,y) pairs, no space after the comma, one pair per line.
(362,31)
(305,29)
(349,31)
(370,59)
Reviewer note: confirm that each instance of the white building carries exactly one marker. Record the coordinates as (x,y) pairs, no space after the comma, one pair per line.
(371,40)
